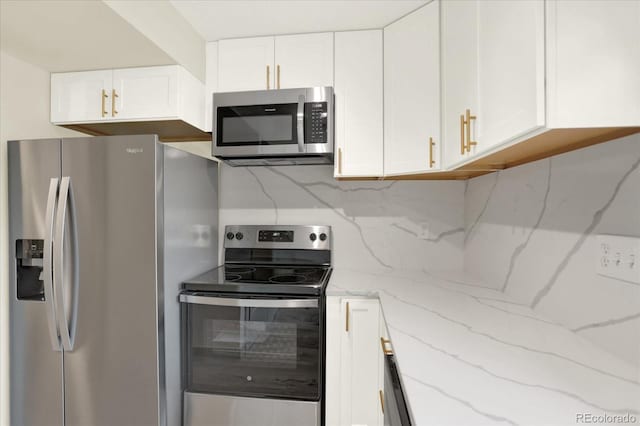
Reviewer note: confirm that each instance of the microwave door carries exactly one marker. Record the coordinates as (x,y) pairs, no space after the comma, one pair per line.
(260,129)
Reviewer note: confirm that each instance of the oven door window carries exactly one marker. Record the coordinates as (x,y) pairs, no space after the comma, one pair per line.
(249,351)
(257,125)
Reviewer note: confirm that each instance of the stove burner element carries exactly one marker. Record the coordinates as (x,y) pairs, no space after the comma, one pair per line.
(294,278)
(232,277)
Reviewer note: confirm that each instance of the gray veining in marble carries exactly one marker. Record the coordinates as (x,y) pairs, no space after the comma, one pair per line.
(597,217)
(536,237)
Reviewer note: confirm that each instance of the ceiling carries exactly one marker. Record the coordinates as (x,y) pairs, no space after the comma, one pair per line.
(73,35)
(220,19)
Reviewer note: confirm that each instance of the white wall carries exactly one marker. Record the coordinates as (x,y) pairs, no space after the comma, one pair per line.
(531,232)
(24,113)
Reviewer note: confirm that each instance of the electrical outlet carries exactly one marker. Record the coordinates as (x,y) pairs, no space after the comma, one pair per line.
(618,257)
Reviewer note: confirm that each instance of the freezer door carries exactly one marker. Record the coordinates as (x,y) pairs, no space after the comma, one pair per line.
(111,371)
(36,392)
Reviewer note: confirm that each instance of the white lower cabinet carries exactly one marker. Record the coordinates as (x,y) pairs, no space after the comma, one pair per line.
(354,362)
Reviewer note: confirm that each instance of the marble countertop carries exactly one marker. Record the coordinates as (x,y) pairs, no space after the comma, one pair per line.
(468,355)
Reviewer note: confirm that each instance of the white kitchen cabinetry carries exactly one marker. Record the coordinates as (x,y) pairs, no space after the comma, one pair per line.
(358,104)
(412,93)
(81,96)
(263,63)
(593,63)
(304,60)
(354,362)
(161,93)
(492,74)
(246,64)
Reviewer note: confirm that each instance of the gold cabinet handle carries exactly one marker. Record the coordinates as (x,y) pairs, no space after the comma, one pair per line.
(339,161)
(114,95)
(462,144)
(381,400)
(383,343)
(468,122)
(103,97)
(346,328)
(278,76)
(268,77)
(432,162)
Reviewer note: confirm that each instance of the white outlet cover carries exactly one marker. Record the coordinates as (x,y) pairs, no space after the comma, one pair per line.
(618,257)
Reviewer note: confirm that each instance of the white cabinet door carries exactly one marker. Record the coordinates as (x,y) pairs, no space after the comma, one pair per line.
(358,103)
(246,64)
(510,71)
(81,96)
(148,93)
(412,92)
(493,66)
(593,63)
(304,60)
(459,73)
(360,349)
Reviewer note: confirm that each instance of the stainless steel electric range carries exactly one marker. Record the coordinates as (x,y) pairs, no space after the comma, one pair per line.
(253,329)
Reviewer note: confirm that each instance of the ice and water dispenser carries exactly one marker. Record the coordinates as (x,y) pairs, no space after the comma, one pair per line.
(30,284)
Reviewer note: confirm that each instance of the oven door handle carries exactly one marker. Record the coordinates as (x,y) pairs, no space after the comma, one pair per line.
(249,303)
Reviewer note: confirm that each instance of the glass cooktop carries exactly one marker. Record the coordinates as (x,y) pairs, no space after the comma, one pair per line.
(280,279)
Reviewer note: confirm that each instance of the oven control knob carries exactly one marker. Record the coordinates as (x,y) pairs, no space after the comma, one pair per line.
(313,236)
(229,235)
(239,235)
(323,236)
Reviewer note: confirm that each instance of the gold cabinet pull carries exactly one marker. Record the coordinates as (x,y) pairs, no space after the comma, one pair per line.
(339,161)
(462,144)
(278,76)
(383,343)
(268,77)
(103,97)
(346,328)
(381,400)
(432,162)
(468,122)
(114,95)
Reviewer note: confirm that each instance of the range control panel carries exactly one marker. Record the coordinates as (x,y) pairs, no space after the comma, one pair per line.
(315,124)
(302,237)
(275,236)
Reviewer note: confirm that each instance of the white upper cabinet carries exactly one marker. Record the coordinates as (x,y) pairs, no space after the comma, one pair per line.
(412,93)
(131,94)
(81,96)
(593,63)
(262,63)
(510,70)
(145,92)
(492,74)
(304,60)
(358,103)
(246,64)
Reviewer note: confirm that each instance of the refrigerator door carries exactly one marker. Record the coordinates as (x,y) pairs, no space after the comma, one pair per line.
(111,373)
(36,372)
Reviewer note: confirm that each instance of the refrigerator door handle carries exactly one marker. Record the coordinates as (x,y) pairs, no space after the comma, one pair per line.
(67,319)
(47,269)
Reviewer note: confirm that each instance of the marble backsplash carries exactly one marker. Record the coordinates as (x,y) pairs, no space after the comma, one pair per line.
(530,232)
(377,226)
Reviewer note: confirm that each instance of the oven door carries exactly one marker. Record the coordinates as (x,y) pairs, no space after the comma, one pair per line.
(253,346)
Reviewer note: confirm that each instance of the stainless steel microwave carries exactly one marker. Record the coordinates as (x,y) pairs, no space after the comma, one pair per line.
(273,127)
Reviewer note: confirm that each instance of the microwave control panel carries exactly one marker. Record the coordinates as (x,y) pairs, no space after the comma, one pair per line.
(315,123)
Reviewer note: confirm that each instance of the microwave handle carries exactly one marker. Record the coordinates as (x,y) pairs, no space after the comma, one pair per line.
(301,100)
(249,303)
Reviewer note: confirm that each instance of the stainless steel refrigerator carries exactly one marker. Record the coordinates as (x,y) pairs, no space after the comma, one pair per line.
(102,232)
